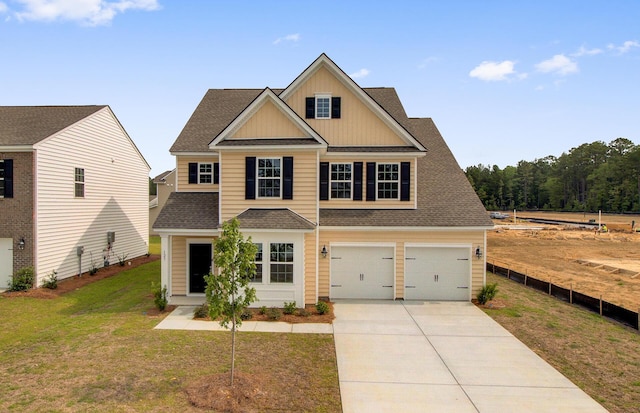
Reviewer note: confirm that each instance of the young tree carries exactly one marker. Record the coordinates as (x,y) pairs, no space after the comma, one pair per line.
(228,292)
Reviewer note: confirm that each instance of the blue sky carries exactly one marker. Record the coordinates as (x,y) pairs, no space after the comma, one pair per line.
(503,80)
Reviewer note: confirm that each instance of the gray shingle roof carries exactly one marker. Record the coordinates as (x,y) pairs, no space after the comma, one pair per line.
(277,218)
(189,210)
(28,125)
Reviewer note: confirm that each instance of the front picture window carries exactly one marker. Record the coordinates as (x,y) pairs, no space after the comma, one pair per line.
(341,181)
(281,263)
(388,180)
(269,177)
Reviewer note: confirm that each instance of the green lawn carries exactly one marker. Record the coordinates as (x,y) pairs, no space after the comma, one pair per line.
(95,350)
(154,245)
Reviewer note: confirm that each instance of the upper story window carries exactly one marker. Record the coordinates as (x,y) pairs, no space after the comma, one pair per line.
(323,106)
(269,177)
(341,180)
(205,173)
(79,182)
(388,180)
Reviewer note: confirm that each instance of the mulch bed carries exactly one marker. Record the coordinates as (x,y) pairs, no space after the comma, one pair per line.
(75,282)
(312,316)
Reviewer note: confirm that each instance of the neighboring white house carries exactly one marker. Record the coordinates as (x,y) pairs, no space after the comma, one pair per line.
(76,196)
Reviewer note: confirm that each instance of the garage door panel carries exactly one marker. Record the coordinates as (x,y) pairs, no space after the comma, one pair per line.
(362,272)
(437,273)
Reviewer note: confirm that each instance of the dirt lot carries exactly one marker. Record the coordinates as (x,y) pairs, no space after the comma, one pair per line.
(589,262)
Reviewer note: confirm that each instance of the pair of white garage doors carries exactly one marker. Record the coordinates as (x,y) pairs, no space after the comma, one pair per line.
(430,273)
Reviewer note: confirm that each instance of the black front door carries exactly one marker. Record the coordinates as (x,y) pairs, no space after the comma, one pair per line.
(199,266)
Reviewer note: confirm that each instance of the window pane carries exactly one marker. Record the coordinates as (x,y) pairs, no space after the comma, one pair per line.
(341,180)
(388,181)
(257,277)
(323,107)
(269,177)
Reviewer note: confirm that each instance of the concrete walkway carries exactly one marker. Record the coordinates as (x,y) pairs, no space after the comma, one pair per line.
(442,357)
(396,356)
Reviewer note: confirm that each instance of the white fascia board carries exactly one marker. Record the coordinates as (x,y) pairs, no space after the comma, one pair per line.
(287,148)
(385,155)
(187,232)
(17,148)
(279,231)
(245,115)
(325,61)
(408,229)
(194,153)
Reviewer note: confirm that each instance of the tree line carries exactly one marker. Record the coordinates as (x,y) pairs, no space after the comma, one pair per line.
(594,176)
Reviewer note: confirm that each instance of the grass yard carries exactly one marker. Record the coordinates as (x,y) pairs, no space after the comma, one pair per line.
(600,356)
(94,349)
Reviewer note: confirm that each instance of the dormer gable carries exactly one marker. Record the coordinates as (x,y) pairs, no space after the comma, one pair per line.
(335,106)
(268,119)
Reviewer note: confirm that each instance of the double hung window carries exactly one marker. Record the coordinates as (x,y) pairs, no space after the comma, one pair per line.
(281,263)
(79,182)
(205,173)
(388,180)
(257,277)
(269,177)
(341,180)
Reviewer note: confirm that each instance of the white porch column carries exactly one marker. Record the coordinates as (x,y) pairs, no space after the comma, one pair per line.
(165,262)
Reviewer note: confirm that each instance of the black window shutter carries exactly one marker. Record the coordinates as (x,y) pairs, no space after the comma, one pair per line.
(405,180)
(357,181)
(216,173)
(335,107)
(8,178)
(371,181)
(287,183)
(310,112)
(193,173)
(324,181)
(250,178)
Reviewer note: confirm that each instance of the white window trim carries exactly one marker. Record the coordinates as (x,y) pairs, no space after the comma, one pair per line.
(396,181)
(258,180)
(83,182)
(201,174)
(292,263)
(190,241)
(261,262)
(350,181)
(322,96)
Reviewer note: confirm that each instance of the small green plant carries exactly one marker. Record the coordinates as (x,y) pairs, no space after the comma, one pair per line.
(122,259)
(263,310)
(289,308)
(201,311)
(93,268)
(322,307)
(487,293)
(52,281)
(159,296)
(246,315)
(274,313)
(22,280)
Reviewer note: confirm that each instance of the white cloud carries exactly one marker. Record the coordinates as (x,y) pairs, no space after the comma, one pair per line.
(426,62)
(559,64)
(3,7)
(626,46)
(89,12)
(360,73)
(583,51)
(288,38)
(493,71)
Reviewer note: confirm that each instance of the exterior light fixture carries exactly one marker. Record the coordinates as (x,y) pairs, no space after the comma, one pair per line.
(21,243)
(324,251)
(478,252)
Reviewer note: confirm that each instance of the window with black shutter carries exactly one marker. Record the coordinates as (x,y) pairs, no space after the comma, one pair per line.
(250,178)
(323,107)
(371,181)
(357,181)
(405,181)
(193,172)
(287,178)
(324,181)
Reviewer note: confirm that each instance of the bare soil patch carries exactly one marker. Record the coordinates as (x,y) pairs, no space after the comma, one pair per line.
(215,392)
(589,262)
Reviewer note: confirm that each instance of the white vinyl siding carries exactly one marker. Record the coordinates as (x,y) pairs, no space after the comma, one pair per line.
(115,196)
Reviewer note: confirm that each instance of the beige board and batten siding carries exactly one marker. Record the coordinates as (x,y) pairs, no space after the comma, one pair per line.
(400,238)
(182,169)
(357,126)
(378,203)
(269,122)
(116,196)
(305,191)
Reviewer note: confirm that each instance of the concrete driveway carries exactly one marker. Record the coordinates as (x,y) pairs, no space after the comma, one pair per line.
(442,357)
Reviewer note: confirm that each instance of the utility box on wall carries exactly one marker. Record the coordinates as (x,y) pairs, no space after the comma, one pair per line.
(111,237)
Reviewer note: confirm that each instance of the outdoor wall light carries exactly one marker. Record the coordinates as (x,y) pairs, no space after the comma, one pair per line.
(324,251)
(478,253)
(21,244)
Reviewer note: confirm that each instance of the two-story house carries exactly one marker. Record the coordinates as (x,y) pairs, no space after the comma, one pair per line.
(344,195)
(73,191)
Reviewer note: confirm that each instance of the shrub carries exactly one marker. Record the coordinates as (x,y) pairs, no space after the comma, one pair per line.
(263,310)
(322,307)
(122,259)
(246,314)
(51,282)
(22,280)
(201,311)
(159,296)
(289,308)
(274,313)
(487,293)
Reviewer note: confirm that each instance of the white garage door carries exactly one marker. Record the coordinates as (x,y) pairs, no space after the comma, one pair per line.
(362,272)
(437,273)
(6,262)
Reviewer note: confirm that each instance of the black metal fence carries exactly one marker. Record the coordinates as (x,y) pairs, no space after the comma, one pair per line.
(596,305)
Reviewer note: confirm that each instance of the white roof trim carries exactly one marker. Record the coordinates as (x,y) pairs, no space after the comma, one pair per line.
(180,231)
(325,61)
(16,148)
(249,111)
